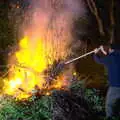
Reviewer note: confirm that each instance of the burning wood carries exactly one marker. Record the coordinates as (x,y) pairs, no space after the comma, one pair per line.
(21,89)
(55,70)
(51,75)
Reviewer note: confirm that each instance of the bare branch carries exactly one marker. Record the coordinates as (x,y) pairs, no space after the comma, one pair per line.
(112,20)
(94,10)
(112,13)
(90,6)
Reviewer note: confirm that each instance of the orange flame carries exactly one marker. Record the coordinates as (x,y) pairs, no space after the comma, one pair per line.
(27,72)
(47,37)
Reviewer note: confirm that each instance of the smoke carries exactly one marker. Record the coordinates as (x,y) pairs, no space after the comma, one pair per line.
(52,21)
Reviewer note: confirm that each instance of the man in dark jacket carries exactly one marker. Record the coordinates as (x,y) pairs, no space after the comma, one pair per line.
(110,58)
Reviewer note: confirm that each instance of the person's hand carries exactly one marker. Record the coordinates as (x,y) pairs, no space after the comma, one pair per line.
(96,50)
(102,50)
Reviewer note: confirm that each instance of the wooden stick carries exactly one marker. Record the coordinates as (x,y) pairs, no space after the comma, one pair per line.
(84,55)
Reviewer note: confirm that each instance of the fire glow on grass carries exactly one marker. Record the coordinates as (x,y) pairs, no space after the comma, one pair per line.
(28,72)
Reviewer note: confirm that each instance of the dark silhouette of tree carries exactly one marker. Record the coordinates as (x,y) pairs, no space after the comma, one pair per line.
(104,15)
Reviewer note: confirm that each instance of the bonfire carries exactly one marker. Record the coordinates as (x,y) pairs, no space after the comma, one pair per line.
(37,66)
(34,73)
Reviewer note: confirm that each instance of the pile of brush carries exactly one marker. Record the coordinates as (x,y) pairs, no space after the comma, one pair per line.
(70,105)
(53,71)
(51,74)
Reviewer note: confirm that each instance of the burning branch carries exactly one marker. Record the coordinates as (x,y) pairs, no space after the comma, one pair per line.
(54,71)
(94,10)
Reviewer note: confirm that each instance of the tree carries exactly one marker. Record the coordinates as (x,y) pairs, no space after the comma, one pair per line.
(104,16)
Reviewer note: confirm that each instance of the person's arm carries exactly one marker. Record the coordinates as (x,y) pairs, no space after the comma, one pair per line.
(101,60)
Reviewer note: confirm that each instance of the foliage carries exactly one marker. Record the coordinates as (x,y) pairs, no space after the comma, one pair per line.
(6,30)
(11,109)
(96,101)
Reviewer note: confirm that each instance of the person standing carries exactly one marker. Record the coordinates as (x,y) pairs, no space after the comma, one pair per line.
(109,56)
